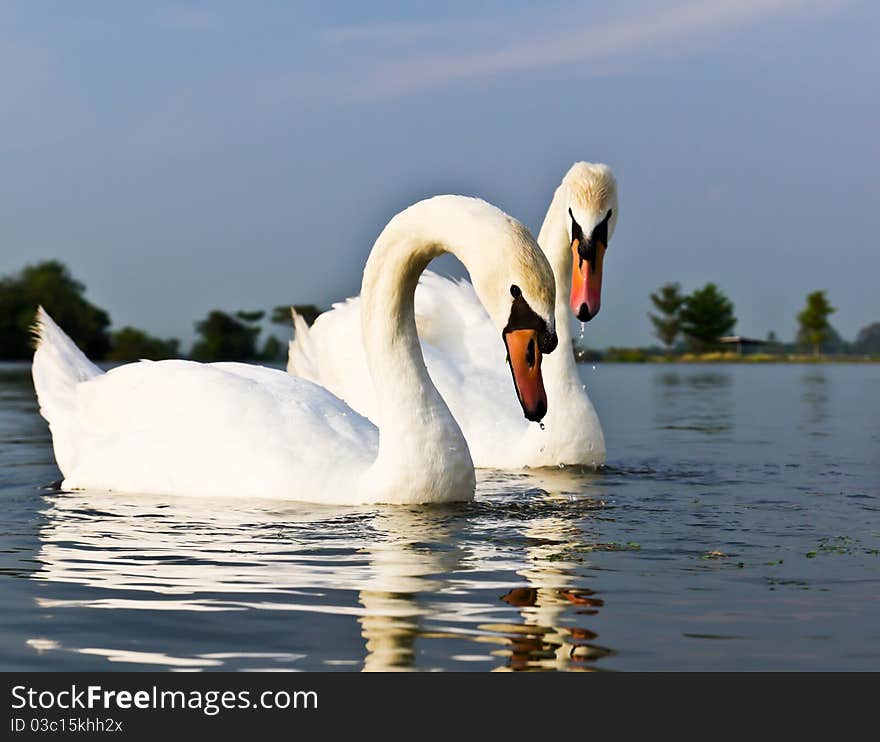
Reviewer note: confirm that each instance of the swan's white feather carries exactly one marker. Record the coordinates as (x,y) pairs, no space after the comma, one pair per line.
(449,315)
(300,356)
(58,368)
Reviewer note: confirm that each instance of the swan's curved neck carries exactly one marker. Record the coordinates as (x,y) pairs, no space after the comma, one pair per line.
(421,447)
(554,241)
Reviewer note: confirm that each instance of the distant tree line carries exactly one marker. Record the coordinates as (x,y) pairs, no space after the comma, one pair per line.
(697,321)
(682,322)
(220,336)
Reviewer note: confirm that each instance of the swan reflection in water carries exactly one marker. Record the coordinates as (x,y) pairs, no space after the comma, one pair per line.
(408,565)
(554,591)
(409,577)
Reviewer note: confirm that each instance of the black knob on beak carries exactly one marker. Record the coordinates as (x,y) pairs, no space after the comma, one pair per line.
(547,341)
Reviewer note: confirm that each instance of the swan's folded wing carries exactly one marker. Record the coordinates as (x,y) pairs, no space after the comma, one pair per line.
(336,358)
(177,427)
(451,318)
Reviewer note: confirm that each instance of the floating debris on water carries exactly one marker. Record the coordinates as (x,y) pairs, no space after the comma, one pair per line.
(714,555)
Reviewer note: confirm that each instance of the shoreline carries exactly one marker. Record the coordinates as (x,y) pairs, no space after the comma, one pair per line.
(636,356)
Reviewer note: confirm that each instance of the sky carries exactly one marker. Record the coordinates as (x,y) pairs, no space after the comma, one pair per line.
(181,157)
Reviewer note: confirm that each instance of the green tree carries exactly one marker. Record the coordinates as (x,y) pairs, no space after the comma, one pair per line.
(868,340)
(131,344)
(273,349)
(833,343)
(772,342)
(813,321)
(706,315)
(250,318)
(224,338)
(281,315)
(51,284)
(667,324)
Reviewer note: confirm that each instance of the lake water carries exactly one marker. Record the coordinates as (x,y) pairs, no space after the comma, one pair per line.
(736,527)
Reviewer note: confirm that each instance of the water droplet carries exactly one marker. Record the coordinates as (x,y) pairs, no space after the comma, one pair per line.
(542,425)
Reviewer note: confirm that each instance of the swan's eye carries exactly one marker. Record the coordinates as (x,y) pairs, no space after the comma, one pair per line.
(515,291)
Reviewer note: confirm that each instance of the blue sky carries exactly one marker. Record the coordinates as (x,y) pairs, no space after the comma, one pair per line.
(186,156)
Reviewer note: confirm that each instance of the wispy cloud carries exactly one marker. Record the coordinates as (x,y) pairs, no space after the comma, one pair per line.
(520,49)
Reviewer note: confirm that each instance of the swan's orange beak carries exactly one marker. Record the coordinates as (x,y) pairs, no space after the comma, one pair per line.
(586,278)
(524,356)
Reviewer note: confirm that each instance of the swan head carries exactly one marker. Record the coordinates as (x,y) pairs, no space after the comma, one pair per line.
(527,335)
(591,216)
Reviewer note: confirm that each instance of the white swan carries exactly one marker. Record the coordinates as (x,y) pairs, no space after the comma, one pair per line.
(575,234)
(229,429)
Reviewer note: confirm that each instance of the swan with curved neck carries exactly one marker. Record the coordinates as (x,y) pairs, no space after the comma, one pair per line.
(580,221)
(235,430)
(575,235)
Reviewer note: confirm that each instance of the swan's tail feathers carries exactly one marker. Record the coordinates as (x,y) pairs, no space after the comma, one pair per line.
(57,369)
(301,350)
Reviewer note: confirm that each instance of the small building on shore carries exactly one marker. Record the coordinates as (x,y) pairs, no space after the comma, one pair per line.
(739,342)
